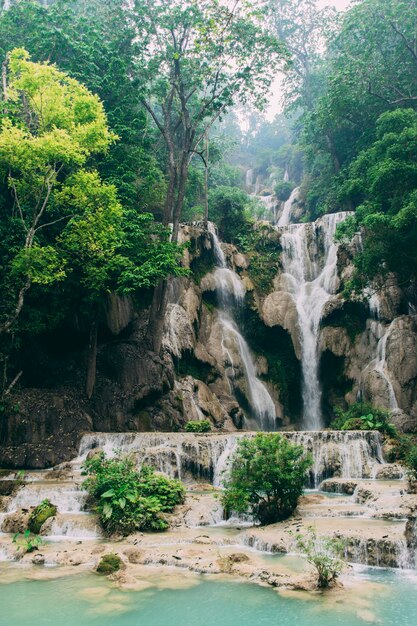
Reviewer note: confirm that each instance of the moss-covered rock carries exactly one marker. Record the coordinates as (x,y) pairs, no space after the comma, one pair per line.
(109,564)
(40,514)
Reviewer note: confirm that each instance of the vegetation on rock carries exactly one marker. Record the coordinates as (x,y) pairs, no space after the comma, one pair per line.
(109,564)
(323,553)
(40,514)
(267,476)
(364,416)
(27,542)
(198,426)
(127,499)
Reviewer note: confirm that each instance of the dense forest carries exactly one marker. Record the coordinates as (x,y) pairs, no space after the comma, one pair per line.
(208,321)
(122,122)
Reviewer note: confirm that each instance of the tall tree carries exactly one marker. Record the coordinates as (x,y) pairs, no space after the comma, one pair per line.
(197,59)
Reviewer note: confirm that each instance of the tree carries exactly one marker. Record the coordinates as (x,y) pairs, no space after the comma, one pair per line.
(381,185)
(304,27)
(267,477)
(230,209)
(197,59)
(323,553)
(62,225)
(51,124)
(370,68)
(94,43)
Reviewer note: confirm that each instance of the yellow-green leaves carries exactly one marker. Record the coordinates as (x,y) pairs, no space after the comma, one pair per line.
(46,99)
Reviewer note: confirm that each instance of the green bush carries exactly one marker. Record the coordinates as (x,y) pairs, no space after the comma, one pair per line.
(128,500)
(283,190)
(267,477)
(363,416)
(40,514)
(198,426)
(323,553)
(411,461)
(109,564)
(27,542)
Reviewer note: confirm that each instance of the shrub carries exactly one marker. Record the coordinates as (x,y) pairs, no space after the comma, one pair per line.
(411,461)
(363,416)
(267,477)
(198,426)
(40,514)
(323,553)
(27,542)
(109,564)
(128,500)
(283,190)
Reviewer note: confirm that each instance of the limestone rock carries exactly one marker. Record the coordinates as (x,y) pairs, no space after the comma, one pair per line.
(279,309)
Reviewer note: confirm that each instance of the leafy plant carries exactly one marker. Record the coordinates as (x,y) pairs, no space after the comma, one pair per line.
(40,514)
(283,190)
(267,477)
(363,416)
(27,542)
(411,461)
(323,553)
(198,426)
(127,499)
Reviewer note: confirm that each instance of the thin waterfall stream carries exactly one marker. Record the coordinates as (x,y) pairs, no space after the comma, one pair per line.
(230,292)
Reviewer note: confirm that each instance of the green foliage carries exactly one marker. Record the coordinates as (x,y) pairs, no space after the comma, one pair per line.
(363,416)
(261,243)
(323,553)
(230,208)
(40,514)
(411,461)
(283,190)
(27,542)
(381,182)
(198,426)
(109,564)
(128,500)
(267,477)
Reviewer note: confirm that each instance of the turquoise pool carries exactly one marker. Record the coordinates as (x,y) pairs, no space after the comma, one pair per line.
(381,597)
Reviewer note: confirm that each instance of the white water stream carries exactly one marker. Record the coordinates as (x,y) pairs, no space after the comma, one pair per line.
(230,292)
(309,259)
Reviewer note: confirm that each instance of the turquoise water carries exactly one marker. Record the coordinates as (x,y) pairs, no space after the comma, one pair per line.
(383,598)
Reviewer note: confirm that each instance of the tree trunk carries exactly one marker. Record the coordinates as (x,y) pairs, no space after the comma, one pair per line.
(206,175)
(92,359)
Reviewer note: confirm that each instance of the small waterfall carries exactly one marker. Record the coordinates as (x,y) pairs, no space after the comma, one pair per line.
(380,333)
(309,259)
(285,218)
(345,454)
(231,292)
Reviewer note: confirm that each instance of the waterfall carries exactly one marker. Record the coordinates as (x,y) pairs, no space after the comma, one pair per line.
(309,259)
(230,291)
(380,333)
(345,454)
(285,218)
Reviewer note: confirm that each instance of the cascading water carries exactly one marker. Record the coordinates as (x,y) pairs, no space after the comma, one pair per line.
(379,333)
(309,259)
(285,218)
(230,292)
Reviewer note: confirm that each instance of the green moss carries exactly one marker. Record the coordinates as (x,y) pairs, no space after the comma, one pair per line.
(40,514)
(109,564)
